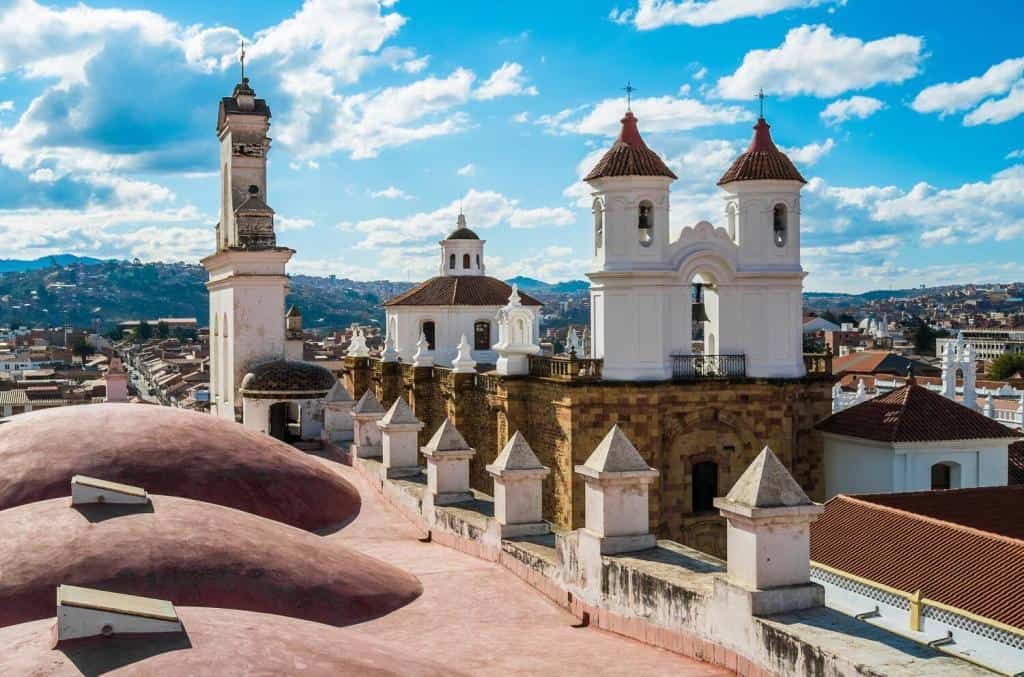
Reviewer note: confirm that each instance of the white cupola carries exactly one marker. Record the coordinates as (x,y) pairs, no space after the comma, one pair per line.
(462,252)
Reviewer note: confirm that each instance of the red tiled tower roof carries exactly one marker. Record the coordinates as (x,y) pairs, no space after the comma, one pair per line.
(965,567)
(912,413)
(762,160)
(459,290)
(629,156)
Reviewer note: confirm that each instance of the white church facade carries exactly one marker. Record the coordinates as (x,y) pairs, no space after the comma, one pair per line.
(749,271)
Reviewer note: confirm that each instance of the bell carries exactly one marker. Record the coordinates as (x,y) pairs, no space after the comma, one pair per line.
(699,314)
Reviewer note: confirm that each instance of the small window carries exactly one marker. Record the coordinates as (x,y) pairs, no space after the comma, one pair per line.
(451,261)
(465,261)
(730,213)
(478,262)
(779,225)
(598,226)
(941,476)
(428,333)
(645,223)
(482,336)
(705,486)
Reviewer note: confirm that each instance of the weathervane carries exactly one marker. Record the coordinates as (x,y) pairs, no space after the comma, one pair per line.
(242,59)
(629,89)
(760,95)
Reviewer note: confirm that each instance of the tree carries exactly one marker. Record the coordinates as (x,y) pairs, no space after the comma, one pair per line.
(83,349)
(144,331)
(830,316)
(1006,365)
(924,338)
(162,330)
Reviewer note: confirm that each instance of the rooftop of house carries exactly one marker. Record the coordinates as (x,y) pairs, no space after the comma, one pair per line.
(459,290)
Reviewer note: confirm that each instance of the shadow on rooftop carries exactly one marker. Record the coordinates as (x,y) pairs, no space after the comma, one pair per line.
(680,556)
(99,655)
(100,512)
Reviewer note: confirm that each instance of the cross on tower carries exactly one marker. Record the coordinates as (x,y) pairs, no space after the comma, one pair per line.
(629,89)
(760,95)
(242,59)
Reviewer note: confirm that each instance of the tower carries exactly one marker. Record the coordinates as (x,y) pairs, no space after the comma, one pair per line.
(642,310)
(958,357)
(462,252)
(247,281)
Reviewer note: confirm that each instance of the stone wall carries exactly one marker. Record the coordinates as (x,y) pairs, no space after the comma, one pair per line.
(673,425)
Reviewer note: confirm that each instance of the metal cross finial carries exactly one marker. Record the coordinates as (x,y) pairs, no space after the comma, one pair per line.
(629,89)
(242,59)
(760,95)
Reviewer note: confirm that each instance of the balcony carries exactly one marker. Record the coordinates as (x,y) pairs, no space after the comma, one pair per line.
(569,368)
(703,367)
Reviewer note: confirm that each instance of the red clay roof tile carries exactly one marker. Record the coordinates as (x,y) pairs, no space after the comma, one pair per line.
(629,156)
(459,290)
(762,160)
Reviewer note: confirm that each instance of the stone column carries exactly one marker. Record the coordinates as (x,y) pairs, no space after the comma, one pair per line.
(358,375)
(617,481)
(366,440)
(392,382)
(448,466)
(518,489)
(768,535)
(399,429)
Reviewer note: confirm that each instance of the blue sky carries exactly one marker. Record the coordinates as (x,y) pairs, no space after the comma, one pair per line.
(906,117)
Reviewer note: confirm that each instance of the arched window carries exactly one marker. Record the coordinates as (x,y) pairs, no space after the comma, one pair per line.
(465,261)
(520,333)
(645,223)
(779,224)
(451,261)
(704,486)
(482,336)
(598,226)
(478,262)
(945,476)
(730,214)
(428,333)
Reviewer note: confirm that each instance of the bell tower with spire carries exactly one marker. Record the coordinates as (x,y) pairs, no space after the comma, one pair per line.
(247,281)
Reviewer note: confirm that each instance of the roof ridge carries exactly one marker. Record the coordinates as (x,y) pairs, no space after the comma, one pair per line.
(933,520)
(903,407)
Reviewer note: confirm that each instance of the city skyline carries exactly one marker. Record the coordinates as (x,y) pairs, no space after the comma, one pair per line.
(389,118)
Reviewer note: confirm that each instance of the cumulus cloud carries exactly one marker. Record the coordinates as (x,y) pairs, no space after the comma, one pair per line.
(284,224)
(391,193)
(995,111)
(6,106)
(811,153)
(656,114)
(466,170)
(860,107)
(952,97)
(508,80)
(483,209)
(811,60)
(651,14)
(554,263)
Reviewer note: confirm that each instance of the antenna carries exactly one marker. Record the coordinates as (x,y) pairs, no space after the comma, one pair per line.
(629,89)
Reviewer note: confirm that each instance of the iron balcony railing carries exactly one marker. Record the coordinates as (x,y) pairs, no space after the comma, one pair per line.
(694,367)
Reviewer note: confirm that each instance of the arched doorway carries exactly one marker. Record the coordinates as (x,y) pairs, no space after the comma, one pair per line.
(278,416)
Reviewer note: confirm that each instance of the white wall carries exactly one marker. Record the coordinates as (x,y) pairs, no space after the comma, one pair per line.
(450,322)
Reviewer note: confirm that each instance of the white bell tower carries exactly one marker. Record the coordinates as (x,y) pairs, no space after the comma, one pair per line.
(247,282)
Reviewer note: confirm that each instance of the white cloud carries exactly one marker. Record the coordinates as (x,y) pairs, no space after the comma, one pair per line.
(391,193)
(466,170)
(285,224)
(521,118)
(996,111)
(415,65)
(656,114)
(6,106)
(1015,154)
(951,97)
(811,60)
(483,209)
(508,80)
(550,264)
(811,153)
(651,14)
(860,107)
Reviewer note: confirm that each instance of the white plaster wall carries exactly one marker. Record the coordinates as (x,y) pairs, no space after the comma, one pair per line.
(772,556)
(616,509)
(447,476)
(450,323)
(518,502)
(857,467)
(474,248)
(400,448)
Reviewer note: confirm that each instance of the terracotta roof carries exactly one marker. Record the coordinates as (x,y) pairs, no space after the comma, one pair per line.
(993,509)
(629,156)
(912,413)
(877,361)
(762,160)
(1016,463)
(459,290)
(967,568)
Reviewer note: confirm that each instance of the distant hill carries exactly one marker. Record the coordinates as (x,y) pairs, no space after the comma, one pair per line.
(20,265)
(529,284)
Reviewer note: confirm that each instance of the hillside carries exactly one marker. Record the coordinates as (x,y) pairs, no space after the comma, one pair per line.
(90,292)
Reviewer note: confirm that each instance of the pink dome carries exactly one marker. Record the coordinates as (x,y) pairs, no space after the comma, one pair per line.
(169,451)
(191,553)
